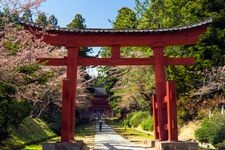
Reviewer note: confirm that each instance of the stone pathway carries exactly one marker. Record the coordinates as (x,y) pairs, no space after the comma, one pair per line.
(108,139)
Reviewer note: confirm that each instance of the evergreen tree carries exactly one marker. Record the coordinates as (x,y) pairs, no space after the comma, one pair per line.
(129,88)
(12,111)
(7,17)
(52,21)
(79,23)
(141,7)
(27,16)
(209,51)
(126,19)
(41,19)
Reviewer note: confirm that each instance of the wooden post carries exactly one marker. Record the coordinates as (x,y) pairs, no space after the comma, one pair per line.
(115,52)
(171,111)
(160,79)
(155,117)
(72,64)
(66,104)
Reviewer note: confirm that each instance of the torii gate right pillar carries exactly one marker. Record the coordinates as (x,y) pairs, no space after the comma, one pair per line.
(164,101)
(160,82)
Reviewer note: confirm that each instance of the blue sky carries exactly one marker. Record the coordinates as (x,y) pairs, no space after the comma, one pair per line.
(95,12)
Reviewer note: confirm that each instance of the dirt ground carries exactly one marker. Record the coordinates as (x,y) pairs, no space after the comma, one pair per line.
(187,131)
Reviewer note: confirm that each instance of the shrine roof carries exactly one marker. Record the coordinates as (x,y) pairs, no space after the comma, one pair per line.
(101,30)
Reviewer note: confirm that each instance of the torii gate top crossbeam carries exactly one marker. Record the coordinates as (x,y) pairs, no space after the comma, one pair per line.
(185,35)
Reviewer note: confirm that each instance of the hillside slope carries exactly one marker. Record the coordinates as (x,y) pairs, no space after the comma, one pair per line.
(30,131)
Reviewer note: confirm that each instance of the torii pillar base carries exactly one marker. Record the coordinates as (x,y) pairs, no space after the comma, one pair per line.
(176,145)
(63,146)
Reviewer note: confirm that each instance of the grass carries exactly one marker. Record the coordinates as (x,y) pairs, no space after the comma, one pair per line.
(83,132)
(39,145)
(30,131)
(129,133)
(86,133)
(33,147)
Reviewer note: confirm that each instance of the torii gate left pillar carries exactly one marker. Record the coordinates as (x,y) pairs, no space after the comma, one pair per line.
(69,96)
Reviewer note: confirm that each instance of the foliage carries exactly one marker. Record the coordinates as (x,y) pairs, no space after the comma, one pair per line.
(12,111)
(220,145)
(41,19)
(137,118)
(126,19)
(54,122)
(127,86)
(141,7)
(140,119)
(126,122)
(77,23)
(36,83)
(17,6)
(27,16)
(135,88)
(24,84)
(147,124)
(209,51)
(52,21)
(30,131)
(7,17)
(29,68)
(211,129)
(11,47)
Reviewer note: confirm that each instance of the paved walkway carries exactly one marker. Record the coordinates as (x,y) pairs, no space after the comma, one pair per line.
(108,139)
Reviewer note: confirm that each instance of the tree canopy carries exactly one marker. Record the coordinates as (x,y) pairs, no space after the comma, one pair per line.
(208,52)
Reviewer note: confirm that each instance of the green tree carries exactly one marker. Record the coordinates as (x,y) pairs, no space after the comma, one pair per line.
(128,88)
(211,130)
(7,17)
(141,7)
(209,51)
(79,23)
(41,19)
(12,111)
(27,16)
(126,19)
(52,21)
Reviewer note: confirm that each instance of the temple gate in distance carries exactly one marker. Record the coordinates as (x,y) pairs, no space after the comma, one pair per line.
(164,101)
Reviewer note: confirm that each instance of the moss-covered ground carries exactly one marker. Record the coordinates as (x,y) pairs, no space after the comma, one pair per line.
(30,131)
(85,133)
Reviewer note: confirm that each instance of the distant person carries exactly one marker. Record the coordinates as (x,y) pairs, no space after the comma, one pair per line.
(100,125)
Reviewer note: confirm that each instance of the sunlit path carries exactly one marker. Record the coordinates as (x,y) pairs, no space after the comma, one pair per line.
(110,140)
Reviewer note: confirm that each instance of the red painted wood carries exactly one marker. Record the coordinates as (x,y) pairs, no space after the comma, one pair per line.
(115,52)
(180,61)
(72,64)
(66,104)
(53,61)
(172,111)
(160,79)
(115,61)
(182,37)
(155,117)
(164,113)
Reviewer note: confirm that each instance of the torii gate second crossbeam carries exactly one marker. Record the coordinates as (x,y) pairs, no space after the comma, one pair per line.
(157,39)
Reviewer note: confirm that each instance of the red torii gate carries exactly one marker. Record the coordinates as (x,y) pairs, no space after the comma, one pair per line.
(164,104)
